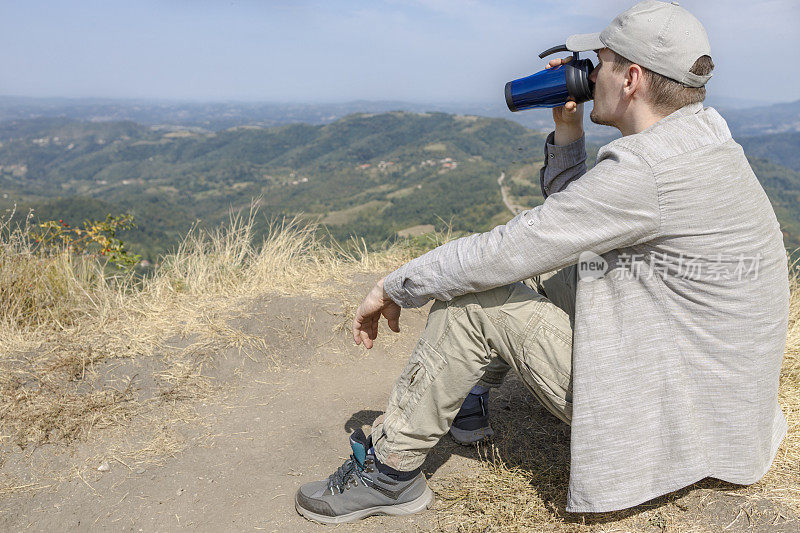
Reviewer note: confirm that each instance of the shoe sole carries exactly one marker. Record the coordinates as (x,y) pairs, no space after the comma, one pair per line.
(416,505)
(470,437)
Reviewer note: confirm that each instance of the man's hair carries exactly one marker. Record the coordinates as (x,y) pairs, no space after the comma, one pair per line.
(665,94)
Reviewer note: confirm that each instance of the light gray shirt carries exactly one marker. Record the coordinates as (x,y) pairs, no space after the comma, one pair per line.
(677,348)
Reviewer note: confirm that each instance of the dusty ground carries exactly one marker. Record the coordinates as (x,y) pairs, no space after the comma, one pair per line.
(232,458)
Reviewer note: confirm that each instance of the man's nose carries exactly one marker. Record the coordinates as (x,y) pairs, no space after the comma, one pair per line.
(593,75)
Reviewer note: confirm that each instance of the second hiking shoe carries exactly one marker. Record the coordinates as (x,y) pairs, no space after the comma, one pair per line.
(471,424)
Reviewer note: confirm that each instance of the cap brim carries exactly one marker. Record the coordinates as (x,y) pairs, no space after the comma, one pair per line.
(584,42)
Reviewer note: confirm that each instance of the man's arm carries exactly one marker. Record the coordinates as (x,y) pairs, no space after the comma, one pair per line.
(562,163)
(615,204)
(564,149)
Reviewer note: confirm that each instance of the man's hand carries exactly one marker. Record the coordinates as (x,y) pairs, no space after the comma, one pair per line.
(569,117)
(377,303)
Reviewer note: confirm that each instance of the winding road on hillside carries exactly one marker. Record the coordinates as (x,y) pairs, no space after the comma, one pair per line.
(515,209)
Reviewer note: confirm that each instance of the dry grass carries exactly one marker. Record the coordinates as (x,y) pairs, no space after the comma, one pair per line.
(66,323)
(521,482)
(75,342)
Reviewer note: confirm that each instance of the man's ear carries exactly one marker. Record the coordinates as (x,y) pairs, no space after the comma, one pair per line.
(634,81)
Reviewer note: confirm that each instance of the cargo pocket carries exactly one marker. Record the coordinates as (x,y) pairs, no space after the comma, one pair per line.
(422,368)
(546,368)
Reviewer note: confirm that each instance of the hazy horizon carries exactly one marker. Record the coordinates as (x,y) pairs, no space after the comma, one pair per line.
(307,52)
(451,106)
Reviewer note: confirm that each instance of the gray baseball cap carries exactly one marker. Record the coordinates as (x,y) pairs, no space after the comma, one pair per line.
(659,36)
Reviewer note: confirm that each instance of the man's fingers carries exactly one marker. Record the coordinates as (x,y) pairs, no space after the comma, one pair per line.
(373,328)
(366,340)
(365,329)
(367,318)
(359,335)
(362,329)
(556,62)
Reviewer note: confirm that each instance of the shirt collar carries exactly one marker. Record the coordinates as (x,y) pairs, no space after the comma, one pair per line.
(686,110)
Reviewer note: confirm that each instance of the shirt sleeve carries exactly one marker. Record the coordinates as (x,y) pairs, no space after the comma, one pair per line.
(613,205)
(562,164)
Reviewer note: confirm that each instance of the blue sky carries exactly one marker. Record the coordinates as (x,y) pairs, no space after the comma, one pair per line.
(334,51)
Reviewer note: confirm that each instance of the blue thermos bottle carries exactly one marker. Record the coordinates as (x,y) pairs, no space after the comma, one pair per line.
(552,87)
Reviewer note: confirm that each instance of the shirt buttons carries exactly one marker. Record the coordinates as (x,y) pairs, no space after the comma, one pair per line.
(530,222)
(552,156)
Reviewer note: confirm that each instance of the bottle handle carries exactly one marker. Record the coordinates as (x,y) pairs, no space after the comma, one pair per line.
(559,48)
(553,50)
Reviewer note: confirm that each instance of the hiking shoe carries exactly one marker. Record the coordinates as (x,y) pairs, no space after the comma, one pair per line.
(471,424)
(358,489)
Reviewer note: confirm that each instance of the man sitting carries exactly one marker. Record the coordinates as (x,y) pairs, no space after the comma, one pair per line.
(665,362)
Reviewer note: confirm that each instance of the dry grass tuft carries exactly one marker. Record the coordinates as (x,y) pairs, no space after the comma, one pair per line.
(67,321)
(492,498)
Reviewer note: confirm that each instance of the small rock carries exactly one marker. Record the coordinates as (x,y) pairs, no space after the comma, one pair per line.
(105,467)
(141,471)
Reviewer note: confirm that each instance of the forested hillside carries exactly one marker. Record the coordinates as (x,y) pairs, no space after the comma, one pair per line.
(780,148)
(366,175)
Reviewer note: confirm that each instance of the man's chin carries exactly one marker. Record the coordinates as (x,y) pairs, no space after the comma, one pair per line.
(597,119)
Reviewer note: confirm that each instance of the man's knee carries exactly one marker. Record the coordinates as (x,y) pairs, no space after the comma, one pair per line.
(490,298)
(502,313)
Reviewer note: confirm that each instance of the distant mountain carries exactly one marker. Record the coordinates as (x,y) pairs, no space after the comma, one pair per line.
(211,116)
(777,118)
(215,116)
(780,148)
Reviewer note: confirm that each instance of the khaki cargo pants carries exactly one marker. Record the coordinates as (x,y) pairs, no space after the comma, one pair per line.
(476,339)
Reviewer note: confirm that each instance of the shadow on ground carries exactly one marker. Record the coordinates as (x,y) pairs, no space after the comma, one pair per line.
(531,439)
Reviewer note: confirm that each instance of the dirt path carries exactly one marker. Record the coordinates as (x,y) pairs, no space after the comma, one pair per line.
(256,440)
(241,452)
